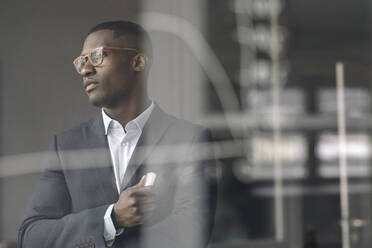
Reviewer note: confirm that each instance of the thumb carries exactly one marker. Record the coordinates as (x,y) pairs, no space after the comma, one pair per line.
(142,182)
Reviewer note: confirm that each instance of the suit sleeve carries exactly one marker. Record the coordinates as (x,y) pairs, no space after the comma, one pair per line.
(49,220)
(191,221)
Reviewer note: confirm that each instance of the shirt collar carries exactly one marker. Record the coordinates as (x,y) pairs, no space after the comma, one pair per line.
(139,121)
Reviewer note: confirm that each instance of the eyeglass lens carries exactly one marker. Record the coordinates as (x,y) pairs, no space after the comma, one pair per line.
(80,63)
(95,57)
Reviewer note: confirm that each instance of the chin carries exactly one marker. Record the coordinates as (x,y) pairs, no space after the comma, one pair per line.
(105,100)
(96,101)
(98,98)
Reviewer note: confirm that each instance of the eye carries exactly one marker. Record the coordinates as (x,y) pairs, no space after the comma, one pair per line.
(96,57)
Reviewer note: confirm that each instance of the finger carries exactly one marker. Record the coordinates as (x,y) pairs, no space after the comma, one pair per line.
(147,209)
(142,191)
(145,200)
(145,205)
(142,182)
(137,220)
(138,202)
(142,200)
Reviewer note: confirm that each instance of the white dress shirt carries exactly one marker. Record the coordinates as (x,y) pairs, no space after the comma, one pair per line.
(122,142)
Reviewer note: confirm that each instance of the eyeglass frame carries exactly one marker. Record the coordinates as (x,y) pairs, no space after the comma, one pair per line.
(102,49)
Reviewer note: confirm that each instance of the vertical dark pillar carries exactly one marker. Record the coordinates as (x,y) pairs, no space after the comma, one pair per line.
(1,153)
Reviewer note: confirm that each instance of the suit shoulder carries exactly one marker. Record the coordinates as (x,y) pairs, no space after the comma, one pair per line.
(76,133)
(187,130)
(188,125)
(77,128)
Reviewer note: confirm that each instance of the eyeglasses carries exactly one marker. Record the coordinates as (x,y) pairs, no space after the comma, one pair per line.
(95,57)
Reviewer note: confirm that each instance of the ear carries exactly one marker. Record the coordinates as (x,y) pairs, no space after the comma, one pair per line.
(139,62)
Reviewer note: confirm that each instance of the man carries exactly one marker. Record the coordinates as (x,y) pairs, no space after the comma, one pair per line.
(94,191)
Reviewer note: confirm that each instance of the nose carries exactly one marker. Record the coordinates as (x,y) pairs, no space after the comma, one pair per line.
(88,69)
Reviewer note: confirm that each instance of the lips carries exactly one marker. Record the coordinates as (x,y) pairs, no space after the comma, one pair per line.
(90,85)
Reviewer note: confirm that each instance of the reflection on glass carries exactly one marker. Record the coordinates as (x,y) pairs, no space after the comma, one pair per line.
(358,153)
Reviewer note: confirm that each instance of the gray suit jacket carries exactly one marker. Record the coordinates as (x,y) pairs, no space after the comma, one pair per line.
(78,184)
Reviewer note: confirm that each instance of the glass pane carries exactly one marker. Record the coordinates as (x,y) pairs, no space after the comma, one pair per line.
(258,74)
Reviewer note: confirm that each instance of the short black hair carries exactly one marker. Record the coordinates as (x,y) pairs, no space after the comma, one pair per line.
(122,28)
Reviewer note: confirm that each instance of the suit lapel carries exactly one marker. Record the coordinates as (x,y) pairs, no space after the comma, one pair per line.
(102,173)
(154,129)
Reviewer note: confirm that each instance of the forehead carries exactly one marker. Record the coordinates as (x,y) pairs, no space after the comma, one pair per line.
(106,38)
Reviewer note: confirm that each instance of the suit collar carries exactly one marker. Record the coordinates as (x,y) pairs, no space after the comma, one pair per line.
(154,129)
(97,130)
(139,121)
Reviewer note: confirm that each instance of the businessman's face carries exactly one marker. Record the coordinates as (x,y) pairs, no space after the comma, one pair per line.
(113,79)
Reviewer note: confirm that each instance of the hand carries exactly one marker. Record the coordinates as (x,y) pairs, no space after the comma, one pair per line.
(135,205)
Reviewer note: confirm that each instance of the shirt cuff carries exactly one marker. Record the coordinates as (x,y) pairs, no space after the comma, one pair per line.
(109,231)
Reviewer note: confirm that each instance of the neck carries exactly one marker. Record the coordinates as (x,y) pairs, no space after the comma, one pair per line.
(128,110)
